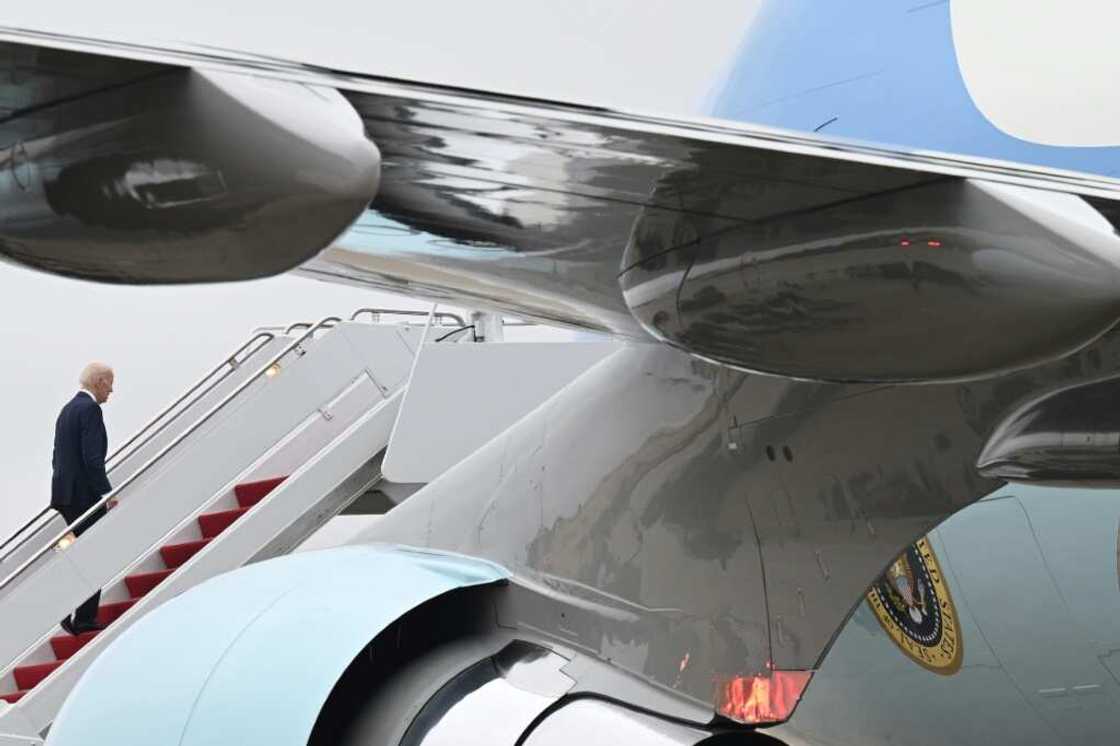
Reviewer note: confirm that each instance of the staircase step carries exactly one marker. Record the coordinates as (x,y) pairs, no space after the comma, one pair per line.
(250,493)
(213,524)
(108,613)
(65,646)
(175,555)
(140,583)
(13,697)
(27,677)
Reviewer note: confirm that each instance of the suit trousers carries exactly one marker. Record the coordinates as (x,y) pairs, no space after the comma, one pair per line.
(86,614)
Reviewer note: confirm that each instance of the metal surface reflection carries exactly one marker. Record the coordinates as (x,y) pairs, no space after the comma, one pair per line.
(1068,437)
(530,212)
(515,212)
(642,508)
(882,287)
(493,702)
(135,172)
(770,260)
(590,722)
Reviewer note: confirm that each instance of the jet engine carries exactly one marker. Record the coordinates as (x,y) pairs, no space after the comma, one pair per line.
(367,644)
(441,676)
(179,175)
(950,280)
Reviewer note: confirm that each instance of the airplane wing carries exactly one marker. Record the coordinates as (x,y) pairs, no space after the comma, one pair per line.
(764,249)
(770,251)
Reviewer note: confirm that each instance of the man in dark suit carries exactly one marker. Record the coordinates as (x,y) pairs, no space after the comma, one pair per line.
(79,479)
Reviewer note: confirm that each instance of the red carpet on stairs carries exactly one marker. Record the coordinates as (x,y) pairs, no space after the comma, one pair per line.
(140,584)
(175,555)
(28,676)
(213,524)
(65,646)
(251,493)
(109,613)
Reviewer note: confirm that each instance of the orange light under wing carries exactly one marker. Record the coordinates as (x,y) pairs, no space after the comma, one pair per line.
(763,698)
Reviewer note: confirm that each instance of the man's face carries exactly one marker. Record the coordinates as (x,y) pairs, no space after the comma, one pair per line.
(103,388)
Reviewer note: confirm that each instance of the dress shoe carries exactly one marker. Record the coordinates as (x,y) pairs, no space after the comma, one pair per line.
(68,626)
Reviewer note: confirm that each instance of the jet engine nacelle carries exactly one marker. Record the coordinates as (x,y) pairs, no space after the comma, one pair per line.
(182,176)
(523,694)
(951,280)
(364,645)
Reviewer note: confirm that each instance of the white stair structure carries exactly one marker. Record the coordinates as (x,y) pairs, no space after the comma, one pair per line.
(276,440)
(157,433)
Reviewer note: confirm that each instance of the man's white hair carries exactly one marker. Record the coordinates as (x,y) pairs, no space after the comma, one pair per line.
(93,374)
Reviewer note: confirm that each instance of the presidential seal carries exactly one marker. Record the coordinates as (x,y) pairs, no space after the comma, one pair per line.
(912,603)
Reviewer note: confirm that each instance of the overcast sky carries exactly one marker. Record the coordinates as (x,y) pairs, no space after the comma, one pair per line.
(660,55)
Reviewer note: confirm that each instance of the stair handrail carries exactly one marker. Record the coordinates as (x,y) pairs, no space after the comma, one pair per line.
(230,360)
(305,325)
(20,530)
(112,494)
(441,316)
(378,312)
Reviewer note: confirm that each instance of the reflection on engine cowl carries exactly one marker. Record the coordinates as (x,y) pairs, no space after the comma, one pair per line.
(183,176)
(522,696)
(950,280)
(1067,438)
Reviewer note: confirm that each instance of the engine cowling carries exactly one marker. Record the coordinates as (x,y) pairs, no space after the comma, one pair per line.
(431,681)
(951,280)
(183,176)
(363,645)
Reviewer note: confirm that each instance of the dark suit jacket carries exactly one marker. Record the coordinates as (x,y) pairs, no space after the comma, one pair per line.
(80,444)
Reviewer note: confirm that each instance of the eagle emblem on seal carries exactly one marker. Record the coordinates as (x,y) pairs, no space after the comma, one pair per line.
(913,605)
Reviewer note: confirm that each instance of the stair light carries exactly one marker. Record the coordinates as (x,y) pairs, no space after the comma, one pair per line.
(273,370)
(66,541)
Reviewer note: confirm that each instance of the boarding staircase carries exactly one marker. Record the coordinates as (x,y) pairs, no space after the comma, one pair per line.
(255,457)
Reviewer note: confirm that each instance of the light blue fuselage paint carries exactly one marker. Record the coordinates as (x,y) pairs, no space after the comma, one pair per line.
(878,71)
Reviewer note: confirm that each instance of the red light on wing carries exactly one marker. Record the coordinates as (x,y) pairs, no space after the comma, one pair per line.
(904,242)
(763,698)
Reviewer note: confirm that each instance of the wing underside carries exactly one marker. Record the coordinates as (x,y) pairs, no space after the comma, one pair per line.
(523,205)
